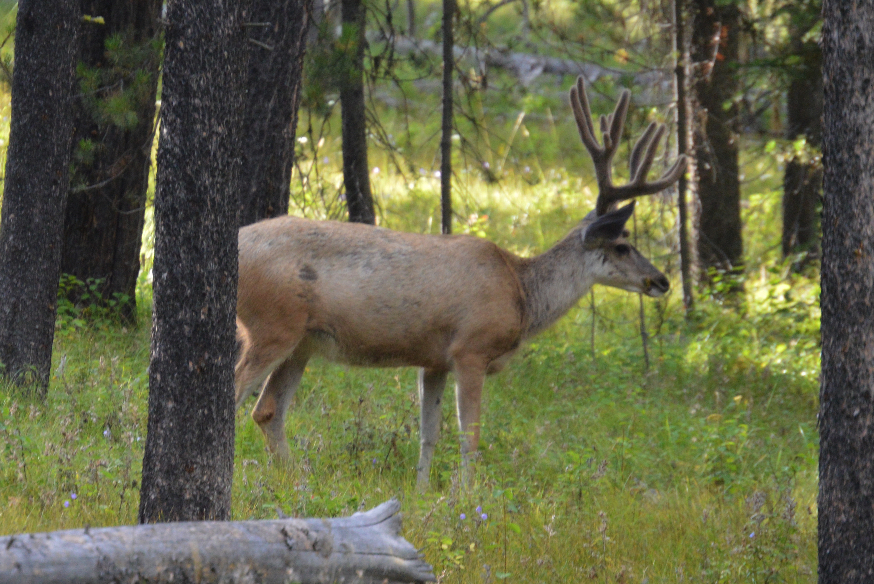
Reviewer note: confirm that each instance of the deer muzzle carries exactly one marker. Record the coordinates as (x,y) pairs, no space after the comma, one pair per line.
(657,286)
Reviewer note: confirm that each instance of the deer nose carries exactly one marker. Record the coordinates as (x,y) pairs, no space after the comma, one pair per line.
(659,284)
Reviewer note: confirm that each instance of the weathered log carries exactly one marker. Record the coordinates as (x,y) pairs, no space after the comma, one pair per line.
(366,547)
(527,67)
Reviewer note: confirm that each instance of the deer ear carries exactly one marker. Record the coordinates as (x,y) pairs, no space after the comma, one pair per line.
(609,226)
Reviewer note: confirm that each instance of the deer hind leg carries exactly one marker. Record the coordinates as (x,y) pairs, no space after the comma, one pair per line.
(273,403)
(431,386)
(264,349)
(470,376)
(255,364)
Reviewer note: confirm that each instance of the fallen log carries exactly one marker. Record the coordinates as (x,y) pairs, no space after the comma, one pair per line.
(366,547)
(526,66)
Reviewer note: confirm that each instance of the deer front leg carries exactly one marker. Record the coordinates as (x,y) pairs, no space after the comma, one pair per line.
(470,377)
(431,386)
(273,403)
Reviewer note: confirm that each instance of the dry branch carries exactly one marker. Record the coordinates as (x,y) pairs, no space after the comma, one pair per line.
(366,547)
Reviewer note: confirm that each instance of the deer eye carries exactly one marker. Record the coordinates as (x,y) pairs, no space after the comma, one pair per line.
(623,249)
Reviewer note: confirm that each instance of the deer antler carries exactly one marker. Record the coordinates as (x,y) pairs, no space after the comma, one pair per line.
(642,155)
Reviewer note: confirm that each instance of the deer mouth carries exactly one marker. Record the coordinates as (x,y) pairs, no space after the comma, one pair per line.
(656,287)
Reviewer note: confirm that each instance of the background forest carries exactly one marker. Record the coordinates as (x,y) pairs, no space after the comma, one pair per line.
(639,440)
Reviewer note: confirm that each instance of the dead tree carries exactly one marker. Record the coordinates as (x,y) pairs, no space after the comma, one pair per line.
(366,547)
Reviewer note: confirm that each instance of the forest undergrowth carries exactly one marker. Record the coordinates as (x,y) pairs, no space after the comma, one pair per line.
(692,460)
(698,467)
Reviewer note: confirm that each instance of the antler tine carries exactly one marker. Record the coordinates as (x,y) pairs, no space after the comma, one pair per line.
(642,155)
(583,116)
(632,190)
(604,122)
(671,176)
(639,147)
(640,170)
(617,118)
(611,132)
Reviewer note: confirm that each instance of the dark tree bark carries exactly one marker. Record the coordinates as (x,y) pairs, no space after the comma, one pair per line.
(446,123)
(112,149)
(356,177)
(188,460)
(846,416)
(715,43)
(802,181)
(276,48)
(35,189)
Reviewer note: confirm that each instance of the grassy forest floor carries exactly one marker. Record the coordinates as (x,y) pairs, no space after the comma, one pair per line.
(698,466)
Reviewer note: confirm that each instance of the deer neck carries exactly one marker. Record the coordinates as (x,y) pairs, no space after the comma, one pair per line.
(555,280)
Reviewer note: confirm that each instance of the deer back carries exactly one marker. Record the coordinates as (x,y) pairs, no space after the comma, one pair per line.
(372,296)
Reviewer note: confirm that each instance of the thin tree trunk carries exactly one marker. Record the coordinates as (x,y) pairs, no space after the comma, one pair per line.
(356,171)
(802,182)
(846,416)
(411,18)
(447,126)
(681,55)
(35,186)
(189,451)
(365,548)
(277,40)
(715,44)
(112,150)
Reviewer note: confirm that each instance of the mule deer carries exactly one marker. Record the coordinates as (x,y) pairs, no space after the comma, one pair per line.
(369,296)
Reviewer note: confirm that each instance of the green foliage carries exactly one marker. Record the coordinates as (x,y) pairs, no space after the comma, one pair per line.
(90,308)
(330,63)
(8,14)
(115,91)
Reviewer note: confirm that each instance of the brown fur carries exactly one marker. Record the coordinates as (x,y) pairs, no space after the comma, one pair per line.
(373,297)
(367,296)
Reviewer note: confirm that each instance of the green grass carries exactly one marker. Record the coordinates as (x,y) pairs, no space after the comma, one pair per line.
(593,468)
(702,468)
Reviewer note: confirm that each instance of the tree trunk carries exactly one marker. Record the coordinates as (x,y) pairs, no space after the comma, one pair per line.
(277,34)
(682,113)
(188,459)
(446,124)
(356,177)
(35,188)
(411,18)
(802,182)
(112,148)
(715,43)
(366,547)
(846,416)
